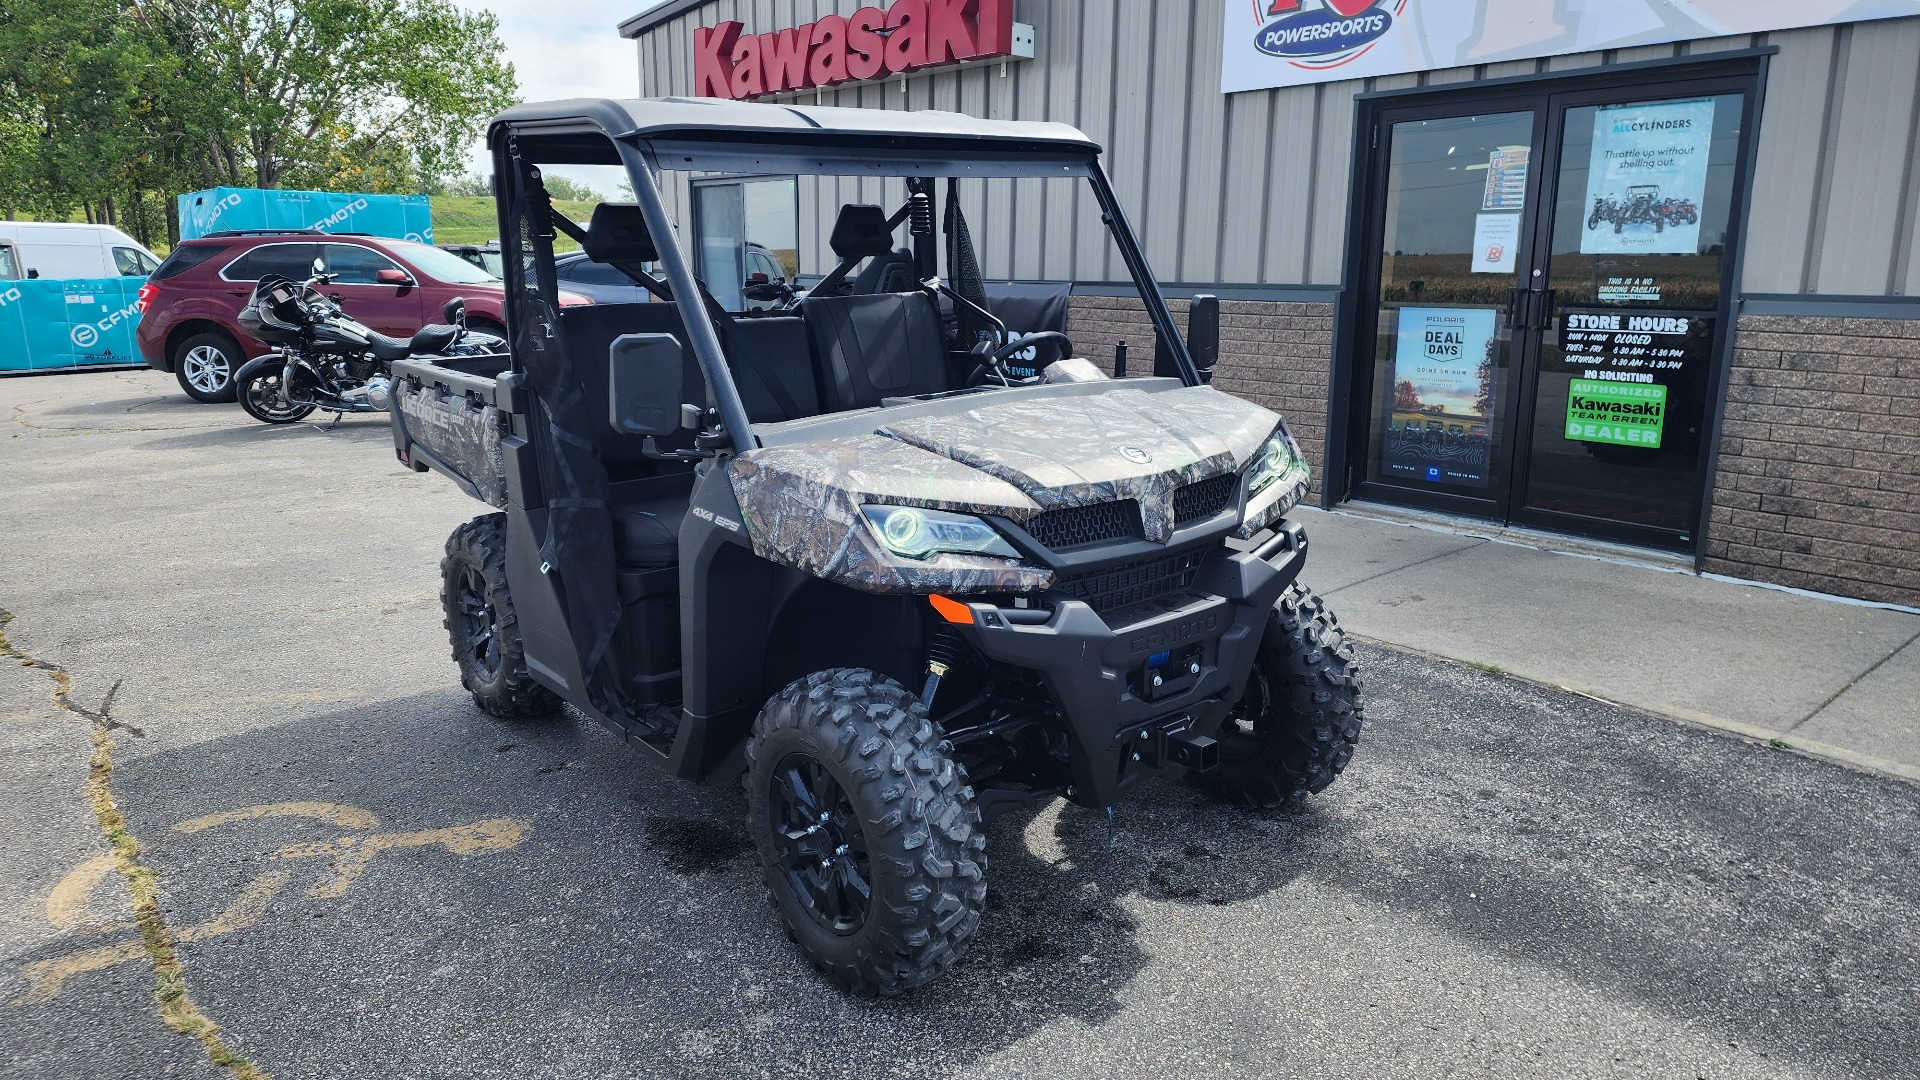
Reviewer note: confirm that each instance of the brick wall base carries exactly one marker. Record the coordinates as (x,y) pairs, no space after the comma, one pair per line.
(1818,484)
(1277,355)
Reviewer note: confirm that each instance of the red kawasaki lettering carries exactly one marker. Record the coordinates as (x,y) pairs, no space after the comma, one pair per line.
(866,49)
(829,63)
(907,43)
(747,80)
(995,37)
(712,68)
(783,58)
(950,30)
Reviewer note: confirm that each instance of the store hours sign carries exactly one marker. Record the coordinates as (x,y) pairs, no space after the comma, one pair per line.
(1625,368)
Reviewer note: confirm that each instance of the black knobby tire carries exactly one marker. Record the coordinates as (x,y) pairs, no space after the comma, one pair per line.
(1300,716)
(205,365)
(857,739)
(482,626)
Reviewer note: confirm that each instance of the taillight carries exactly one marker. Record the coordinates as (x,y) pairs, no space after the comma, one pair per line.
(572,299)
(147,292)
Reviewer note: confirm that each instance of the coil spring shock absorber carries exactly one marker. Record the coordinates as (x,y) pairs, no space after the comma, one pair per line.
(942,655)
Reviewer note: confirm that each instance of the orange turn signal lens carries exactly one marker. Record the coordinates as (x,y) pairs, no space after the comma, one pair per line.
(951,610)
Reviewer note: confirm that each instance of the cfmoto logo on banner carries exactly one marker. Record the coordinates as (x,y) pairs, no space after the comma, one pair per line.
(1325,33)
(84,335)
(339,215)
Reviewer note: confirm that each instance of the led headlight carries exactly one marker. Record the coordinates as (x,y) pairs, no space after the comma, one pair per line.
(917,533)
(1278,460)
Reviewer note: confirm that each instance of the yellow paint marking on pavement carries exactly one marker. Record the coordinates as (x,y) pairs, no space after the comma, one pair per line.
(67,903)
(347,817)
(351,854)
(47,976)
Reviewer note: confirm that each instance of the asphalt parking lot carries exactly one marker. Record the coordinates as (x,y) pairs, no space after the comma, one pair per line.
(360,874)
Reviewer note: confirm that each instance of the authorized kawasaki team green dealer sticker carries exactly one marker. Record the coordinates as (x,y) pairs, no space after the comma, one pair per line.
(1626,414)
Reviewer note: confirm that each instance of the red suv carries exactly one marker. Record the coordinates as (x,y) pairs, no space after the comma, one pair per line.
(188,306)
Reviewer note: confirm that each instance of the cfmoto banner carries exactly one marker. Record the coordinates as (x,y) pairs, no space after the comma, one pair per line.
(1289,42)
(1647,177)
(61,324)
(402,217)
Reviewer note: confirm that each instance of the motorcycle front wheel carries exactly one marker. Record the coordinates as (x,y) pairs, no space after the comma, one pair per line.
(263,395)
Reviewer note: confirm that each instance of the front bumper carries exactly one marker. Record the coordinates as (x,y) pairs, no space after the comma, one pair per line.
(1200,642)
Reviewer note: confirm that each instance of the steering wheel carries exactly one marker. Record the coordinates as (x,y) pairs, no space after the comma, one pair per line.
(993,365)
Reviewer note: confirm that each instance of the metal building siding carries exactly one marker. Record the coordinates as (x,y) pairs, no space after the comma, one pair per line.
(1253,187)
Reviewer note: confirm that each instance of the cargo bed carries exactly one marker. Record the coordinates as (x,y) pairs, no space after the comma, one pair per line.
(448,415)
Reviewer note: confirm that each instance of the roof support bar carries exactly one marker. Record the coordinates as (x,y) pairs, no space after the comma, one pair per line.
(1136,260)
(700,331)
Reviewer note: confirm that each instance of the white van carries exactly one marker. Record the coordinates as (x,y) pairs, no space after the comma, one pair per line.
(64,250)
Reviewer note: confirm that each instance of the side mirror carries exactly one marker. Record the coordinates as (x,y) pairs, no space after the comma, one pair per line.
(392,276)
(643,384)
(33,275)
(1203,333)
(455,313)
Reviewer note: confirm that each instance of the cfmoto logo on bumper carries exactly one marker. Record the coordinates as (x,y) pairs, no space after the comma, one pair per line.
(1167,637)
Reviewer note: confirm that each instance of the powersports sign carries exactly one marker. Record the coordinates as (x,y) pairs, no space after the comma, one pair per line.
(869,44)
(1289,42)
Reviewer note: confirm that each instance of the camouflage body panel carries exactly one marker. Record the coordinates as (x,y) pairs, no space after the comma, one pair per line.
(463,436)
(1101,448)
(802,505)
(1272,502)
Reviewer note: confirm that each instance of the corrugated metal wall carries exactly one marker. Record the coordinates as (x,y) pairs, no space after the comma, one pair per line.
(1252,187)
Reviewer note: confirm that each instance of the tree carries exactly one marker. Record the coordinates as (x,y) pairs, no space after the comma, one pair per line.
(1405,397)
(561,187)
(1483,404)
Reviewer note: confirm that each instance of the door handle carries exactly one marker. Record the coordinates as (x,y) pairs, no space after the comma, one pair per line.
(1544,313)
(1519,309)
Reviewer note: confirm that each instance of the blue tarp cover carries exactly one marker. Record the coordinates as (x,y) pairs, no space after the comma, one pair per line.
(402,217)
(59,324)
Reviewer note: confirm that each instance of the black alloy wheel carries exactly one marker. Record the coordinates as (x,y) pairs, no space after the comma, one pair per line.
(821,849)
(477,621)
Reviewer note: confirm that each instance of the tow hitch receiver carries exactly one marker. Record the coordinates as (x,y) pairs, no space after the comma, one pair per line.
(1176,744)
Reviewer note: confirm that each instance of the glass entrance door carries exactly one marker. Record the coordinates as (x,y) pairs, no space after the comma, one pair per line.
(1546,300)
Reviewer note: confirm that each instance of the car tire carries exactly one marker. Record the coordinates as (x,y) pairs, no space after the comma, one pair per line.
(868,836)
(482,626)
(488,326)
(1299,716)
(205,364)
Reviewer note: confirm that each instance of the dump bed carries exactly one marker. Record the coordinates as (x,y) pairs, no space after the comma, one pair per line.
(448,416)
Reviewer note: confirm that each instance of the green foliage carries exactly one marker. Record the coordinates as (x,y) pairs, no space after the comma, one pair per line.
(470,219)
(112,107)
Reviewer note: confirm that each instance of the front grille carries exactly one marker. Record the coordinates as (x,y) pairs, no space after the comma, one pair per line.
(1203,499)
(1136,582)
(1077,526)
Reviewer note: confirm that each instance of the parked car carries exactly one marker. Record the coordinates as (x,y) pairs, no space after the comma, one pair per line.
(485,256)
(190,306)
(68,250)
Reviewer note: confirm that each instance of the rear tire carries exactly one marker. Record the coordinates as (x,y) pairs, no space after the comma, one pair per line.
(205,365)
(1299,717)
(481,624)
(868,836)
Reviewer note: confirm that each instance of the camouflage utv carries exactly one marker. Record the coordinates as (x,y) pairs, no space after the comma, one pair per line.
(892,564)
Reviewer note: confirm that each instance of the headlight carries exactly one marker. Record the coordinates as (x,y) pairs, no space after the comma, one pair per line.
(916,533)
(1278,460)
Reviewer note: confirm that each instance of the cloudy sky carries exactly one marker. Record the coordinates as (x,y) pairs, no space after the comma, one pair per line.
(566,48)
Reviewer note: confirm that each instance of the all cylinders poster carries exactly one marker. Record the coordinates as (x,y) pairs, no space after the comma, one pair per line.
(1646,178)
(1442,391)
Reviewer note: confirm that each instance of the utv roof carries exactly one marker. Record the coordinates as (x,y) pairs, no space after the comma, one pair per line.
(702,119)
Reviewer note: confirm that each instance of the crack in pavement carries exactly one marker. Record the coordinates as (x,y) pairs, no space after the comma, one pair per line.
(177,1009)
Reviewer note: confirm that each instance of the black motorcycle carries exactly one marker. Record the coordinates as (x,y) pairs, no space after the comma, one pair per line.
(325,359)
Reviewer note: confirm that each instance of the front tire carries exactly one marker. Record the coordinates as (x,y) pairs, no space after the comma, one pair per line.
(264,395)
(1299,717)
(205,365)
(482,626)
(868,836)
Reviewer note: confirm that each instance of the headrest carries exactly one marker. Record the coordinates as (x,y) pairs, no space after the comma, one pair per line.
(618,234)
(861,231)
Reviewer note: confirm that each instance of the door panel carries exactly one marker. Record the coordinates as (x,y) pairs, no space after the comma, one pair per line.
(1637,263)
(1450,258)
(389,309)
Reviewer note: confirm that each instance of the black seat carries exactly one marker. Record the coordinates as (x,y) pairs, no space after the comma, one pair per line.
(388,348)
(876,346)
(432,338)
(773,368)
(895,272)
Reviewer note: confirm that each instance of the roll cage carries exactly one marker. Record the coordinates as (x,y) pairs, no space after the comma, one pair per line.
(646,137)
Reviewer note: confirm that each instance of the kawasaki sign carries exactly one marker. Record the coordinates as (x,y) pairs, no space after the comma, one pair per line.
(867,45)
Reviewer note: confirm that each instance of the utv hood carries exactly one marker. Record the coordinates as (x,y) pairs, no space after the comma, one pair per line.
(1014,459)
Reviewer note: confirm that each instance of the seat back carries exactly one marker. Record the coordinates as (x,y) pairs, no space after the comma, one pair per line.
(772,368)
(875,346)
(894,272)
(588,334)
